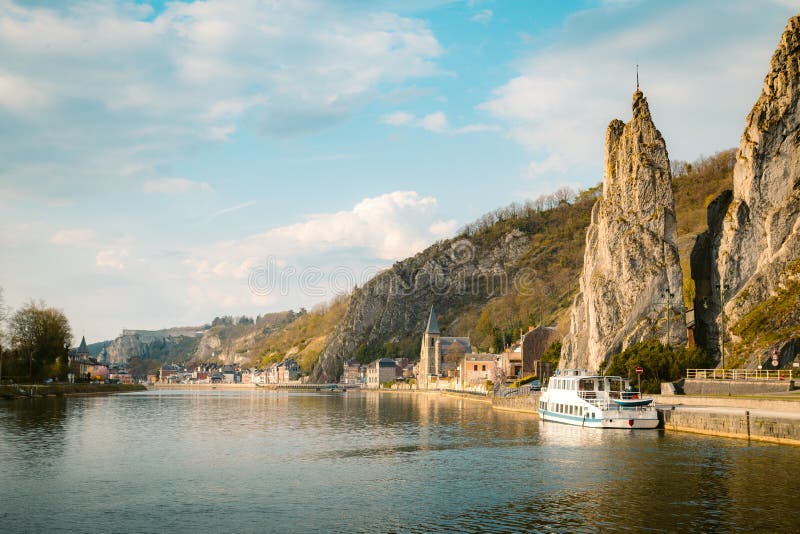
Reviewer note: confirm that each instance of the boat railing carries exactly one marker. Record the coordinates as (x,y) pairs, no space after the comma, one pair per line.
(604,399)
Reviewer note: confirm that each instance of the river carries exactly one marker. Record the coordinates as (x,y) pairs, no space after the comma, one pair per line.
(255,461)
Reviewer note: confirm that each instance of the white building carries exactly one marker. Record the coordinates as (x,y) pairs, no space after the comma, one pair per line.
(380,371)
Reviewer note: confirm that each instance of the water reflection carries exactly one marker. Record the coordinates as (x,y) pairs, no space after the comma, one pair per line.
(299,462)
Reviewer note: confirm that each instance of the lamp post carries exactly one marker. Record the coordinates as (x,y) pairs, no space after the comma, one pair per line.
(722,290)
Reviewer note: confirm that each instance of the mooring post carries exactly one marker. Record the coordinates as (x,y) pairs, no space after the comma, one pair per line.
(747,414)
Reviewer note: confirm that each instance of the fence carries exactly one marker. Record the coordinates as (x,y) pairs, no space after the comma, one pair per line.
(738,374)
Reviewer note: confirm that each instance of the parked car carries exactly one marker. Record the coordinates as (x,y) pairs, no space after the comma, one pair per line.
(536,385)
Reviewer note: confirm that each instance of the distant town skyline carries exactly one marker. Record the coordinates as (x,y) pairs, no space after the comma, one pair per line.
(154,155)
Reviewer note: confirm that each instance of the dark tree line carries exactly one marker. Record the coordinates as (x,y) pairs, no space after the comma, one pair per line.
(38,339)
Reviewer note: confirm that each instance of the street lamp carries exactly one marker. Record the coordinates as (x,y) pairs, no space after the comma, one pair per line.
(722,289)
(667,296)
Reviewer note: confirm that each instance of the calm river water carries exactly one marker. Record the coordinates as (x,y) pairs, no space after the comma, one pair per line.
(252,461)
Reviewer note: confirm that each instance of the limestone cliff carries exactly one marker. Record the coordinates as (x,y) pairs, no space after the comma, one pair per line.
(756,253)
(631,260)
(154,344)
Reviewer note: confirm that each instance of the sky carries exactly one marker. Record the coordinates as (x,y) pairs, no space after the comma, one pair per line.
(163,163)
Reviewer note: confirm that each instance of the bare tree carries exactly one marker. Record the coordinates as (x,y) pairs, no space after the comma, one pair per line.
(3,318)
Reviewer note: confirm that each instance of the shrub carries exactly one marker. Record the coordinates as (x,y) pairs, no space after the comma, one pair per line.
(661,363)
(553,353)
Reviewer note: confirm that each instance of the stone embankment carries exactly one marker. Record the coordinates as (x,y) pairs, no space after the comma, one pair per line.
(755,425)
(520,403)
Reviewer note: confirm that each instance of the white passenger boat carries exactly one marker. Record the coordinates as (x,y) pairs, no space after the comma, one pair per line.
(577,398)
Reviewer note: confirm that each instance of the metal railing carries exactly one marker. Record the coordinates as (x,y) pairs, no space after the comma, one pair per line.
(738,374)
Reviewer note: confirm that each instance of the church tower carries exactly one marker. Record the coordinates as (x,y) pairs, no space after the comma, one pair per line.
(430,353)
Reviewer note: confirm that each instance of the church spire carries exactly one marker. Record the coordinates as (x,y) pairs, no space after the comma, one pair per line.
(433,325)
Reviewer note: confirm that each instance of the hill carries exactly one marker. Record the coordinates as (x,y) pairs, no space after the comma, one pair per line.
(514,267)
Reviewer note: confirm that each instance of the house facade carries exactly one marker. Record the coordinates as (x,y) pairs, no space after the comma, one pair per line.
(380,371)
(354,373)
(476,369)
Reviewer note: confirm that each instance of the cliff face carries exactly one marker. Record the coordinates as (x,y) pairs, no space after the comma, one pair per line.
(154,344)
(754,253)
(631,259)
(395,304)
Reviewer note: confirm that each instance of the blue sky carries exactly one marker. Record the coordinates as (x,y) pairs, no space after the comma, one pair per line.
(157,159)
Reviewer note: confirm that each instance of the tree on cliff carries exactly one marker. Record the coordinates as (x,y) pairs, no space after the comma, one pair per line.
(40,339)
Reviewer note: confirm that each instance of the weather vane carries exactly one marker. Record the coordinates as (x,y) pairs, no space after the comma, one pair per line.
(637,76)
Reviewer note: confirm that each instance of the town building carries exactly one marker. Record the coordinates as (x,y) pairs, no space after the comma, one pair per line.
(511,362)
(476,369)
(354,373)
(381,371)
(287,371)
(168,373)
(534,343)
(433,350)
(84,368)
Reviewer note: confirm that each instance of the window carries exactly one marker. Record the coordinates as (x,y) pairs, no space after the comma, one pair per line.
(475,367)
(483,367)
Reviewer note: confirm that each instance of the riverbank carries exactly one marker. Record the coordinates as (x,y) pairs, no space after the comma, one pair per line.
(47,390)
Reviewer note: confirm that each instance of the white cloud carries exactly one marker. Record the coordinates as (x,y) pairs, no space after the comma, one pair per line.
(399,118)
(435,122)
(551,164)
(20,95)
(193,74)
(700,83)
(388,227)
(176,186)
(112,259)
(484,16)
(74,237)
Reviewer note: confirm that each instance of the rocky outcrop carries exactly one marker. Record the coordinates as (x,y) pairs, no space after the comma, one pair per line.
(153,344)
(395,304)
(760,235)
(631,272)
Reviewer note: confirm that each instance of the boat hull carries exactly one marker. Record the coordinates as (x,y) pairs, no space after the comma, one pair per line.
(615,419)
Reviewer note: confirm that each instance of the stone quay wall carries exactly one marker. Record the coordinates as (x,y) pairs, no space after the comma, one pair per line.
(739,424)
(519,403)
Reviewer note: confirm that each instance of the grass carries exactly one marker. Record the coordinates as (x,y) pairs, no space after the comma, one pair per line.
(773,320)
